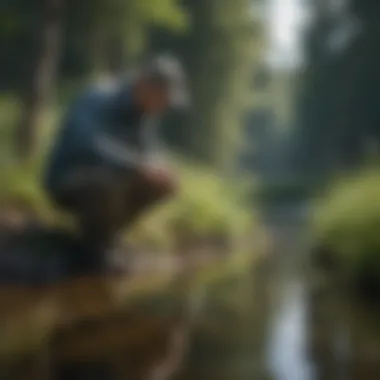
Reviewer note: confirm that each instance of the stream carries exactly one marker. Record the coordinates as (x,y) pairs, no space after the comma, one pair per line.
(281,326)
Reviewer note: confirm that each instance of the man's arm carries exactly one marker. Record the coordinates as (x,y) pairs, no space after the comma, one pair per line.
(115,152)
(153,149)
(91,132)
(149,154)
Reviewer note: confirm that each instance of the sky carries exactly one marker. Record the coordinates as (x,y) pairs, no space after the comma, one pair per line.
(286,19)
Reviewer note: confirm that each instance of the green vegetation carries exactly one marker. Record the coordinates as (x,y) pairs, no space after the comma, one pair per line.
(208,208)
(346,226)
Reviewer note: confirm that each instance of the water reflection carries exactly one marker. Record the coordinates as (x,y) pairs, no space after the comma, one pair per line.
(287,354)
(285,323)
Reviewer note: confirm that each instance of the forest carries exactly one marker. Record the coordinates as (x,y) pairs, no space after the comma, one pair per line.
(278,205)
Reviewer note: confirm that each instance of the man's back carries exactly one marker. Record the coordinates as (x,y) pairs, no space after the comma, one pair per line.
(72,141)
(98,112)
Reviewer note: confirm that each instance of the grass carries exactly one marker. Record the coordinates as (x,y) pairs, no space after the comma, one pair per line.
(207,206)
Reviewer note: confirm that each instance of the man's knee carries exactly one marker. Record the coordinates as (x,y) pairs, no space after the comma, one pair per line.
(63,199)
(163,185)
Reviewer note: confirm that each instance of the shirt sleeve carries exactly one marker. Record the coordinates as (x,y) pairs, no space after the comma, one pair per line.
(115,152)
(152,146)
(92,133)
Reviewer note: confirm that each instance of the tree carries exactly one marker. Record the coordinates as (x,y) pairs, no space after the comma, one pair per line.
(41,80)
(120,29)
(220,57)
(221,52)
(311,146)
(338,112)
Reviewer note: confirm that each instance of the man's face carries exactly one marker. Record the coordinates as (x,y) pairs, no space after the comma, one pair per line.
(153,97)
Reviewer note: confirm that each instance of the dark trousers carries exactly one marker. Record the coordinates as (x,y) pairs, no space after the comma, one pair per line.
(105,201)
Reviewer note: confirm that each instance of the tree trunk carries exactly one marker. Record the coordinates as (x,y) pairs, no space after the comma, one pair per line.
(40,86)
(97,51)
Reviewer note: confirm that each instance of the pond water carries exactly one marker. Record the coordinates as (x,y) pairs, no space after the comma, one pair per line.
(277,324)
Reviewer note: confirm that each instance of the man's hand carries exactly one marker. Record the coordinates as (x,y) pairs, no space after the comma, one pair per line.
(160,177)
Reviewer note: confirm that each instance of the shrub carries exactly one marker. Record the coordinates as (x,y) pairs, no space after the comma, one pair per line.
(207,208)
(346,223)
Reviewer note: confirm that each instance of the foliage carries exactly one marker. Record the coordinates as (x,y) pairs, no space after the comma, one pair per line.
(126,21)
(207,207)
(337,107)
(127,24)
(346,223)
(225,44)
(20,184)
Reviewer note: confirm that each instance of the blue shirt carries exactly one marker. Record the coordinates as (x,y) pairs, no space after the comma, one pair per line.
(102,126)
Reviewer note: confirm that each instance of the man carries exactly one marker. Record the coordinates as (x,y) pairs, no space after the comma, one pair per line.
(103,167)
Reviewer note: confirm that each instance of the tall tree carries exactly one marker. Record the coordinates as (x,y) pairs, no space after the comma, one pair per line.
(120,29)
(312,99)
(221,52)
(338,111)
(221,55)
(41,80)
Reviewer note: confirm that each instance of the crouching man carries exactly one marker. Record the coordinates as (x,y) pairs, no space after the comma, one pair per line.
(103,167)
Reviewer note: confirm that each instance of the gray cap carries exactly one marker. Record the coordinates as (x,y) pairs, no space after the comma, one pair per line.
(167,70)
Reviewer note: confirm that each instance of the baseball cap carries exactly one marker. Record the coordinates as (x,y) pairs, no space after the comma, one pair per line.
(167,70)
